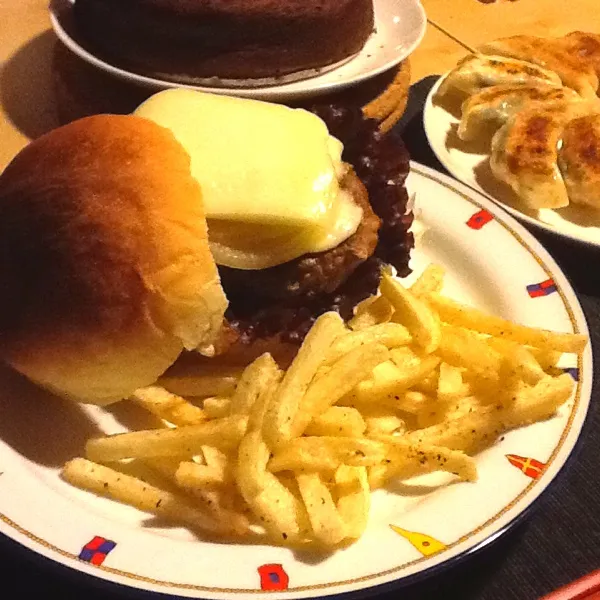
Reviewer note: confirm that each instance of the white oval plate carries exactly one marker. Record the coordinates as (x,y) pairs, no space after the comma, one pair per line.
(493,263)
(470,165)
(399,28)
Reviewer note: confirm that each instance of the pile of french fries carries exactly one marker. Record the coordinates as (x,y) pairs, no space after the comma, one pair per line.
(415,383)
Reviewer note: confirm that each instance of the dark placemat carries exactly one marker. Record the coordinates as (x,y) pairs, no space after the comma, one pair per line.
(556,542)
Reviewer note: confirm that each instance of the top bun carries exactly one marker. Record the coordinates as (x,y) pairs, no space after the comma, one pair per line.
(105,270)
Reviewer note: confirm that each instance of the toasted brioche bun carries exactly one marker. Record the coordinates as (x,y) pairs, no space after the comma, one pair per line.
(105,270)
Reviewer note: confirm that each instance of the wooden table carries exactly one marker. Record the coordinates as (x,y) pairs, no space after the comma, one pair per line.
(28,106)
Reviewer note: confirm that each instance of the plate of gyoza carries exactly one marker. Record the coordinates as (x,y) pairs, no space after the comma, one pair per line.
(519,120)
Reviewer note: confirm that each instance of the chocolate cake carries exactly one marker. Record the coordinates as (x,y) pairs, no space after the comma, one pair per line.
(188,40)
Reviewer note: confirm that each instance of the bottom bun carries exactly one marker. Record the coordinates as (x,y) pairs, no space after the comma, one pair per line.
(197,376)
(98,371)
(237,357)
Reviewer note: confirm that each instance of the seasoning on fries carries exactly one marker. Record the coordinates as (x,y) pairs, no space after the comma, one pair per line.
(417,383)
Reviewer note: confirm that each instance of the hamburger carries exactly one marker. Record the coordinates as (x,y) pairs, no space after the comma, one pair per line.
(313,204)
(199,225)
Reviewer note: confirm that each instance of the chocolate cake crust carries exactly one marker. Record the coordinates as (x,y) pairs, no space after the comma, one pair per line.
(187,40)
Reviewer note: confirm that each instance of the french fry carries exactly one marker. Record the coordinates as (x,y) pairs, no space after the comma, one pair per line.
(182,441)
(253,453)
(413,402)
(391,335)
(467,434)
(431,458)
(219,502)
(254,380)
(337,421)
(215,458)
(381,421)
(390,379)
(468,317)
(107,482)
(428,384)
(282,409)
(253,456)
(200,385)
(327,454)
(450,383)
(190,474)
(344,375)
(165,466)
(278,510)
(148,472)
(419,383)
(281,513)
(377,476)
(384,381)
(520,359)
(537,403)
(430,416)
(429,282)
(438,412)
(483,425)
(408,459)
(259,409)
(217,407)
(414,369)
(258,488)
(420,320)
(354,498)
(546,358)
(372,311)
(325,520)
(463,348)
(168,406)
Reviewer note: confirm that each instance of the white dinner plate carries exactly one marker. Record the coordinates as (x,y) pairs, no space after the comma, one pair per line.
(493,263)
(399,28)
(469,163)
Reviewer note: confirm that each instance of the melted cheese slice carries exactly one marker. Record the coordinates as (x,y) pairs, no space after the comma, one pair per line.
(269,176)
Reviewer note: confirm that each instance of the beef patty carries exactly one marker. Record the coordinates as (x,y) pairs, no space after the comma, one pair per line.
(315,273)
(263,308)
